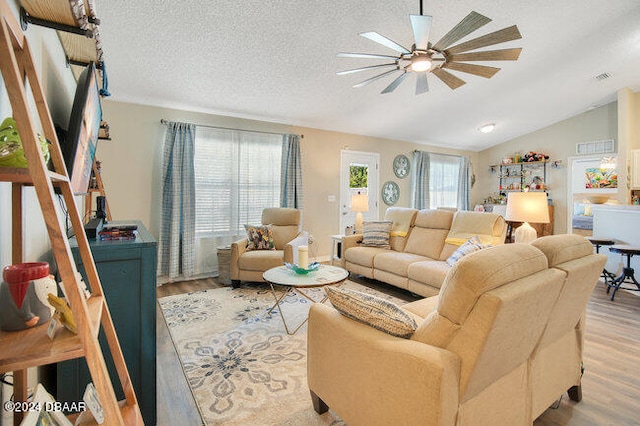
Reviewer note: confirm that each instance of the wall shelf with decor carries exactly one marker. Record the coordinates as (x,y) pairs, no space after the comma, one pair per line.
(78,29)
(530,175)
(77,26)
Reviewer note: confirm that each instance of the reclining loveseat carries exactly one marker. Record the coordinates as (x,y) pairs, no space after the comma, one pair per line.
(420,243)
(500,343)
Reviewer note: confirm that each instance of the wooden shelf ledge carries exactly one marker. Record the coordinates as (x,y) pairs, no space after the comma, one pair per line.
(20,175)
(80,49)
(32,347)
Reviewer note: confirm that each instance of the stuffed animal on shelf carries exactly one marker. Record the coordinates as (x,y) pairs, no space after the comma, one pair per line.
(534,156)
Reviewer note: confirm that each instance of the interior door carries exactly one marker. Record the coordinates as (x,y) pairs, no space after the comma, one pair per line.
(589,178)
(359,172)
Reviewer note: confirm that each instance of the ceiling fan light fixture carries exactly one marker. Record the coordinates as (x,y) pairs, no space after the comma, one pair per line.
(420,63)
(446,53)
(487,128)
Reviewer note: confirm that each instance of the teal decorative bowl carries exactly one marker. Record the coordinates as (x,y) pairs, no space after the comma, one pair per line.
(312,267)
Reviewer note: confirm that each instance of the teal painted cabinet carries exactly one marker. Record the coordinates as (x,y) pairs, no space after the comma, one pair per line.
(127,271)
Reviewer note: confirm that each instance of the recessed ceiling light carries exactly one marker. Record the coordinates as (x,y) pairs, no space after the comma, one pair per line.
(487,128)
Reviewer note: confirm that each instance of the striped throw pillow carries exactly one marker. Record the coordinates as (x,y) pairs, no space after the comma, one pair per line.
(374,311)
(473,244)
(376,234)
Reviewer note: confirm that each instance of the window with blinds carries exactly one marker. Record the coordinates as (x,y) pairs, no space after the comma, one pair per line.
(237,175)
(444,174)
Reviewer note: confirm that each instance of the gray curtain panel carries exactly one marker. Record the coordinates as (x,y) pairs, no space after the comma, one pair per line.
(420,180)
(291,175)
(176,248)
(464,183)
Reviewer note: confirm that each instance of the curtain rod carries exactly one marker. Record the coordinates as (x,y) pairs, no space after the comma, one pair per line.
(439,153)
(163,121)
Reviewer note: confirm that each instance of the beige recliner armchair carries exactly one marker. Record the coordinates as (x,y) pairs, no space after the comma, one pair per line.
(501,341)
(249,265)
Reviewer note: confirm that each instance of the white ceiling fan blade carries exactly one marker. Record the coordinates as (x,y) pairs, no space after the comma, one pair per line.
(421,25)
(380,39)
(374,78)
(395,83)
(370,67)
(422,85)
(365,56)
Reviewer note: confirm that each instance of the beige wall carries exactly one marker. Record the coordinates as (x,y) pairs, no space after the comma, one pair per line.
(131,164)
(559,142)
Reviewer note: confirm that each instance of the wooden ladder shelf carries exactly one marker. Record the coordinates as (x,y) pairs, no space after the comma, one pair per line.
(99,188)
(32,347)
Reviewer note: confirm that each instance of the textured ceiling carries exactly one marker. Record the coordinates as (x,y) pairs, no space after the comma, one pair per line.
(276,61)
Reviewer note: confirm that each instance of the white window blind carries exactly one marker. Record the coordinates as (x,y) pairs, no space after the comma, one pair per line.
(444,172)
(237,175)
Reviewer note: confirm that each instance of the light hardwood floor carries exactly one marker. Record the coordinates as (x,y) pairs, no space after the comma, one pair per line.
(610,385)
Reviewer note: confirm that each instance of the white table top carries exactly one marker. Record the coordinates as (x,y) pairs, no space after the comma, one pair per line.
(325,275)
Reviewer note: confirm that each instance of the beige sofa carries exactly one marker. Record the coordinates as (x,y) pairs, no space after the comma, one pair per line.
(500,343)
(249,265)
(420,246)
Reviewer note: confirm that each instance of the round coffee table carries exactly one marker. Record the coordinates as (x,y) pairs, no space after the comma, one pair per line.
(281,275)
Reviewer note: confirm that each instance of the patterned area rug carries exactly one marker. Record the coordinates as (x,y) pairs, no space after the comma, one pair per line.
(240,363)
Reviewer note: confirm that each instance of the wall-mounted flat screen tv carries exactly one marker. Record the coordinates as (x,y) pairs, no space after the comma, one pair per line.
(79,148)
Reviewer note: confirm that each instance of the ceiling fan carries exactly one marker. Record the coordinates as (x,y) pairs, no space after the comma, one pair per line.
(436,58)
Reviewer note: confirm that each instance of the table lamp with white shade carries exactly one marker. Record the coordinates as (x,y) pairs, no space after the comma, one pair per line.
(527,207)
(359,204)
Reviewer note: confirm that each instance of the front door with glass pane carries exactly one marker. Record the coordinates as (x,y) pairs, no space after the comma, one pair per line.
(359,174)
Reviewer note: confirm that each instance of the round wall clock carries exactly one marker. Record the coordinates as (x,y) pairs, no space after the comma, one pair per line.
(390,193)
(401,166)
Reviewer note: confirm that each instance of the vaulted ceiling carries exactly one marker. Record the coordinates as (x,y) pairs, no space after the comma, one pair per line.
(276,61)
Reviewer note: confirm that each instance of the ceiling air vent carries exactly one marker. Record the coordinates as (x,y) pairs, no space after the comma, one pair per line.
(603,76)
(595,147)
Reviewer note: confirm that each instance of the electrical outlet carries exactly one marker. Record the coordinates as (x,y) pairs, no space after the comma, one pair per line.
(311,239)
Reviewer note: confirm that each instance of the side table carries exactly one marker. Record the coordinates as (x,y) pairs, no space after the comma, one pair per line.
(283,276)
(224,264)
(336,247)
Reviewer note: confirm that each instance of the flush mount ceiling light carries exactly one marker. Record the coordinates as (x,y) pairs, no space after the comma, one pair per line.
(487,128)
(425,57)
(420,62)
